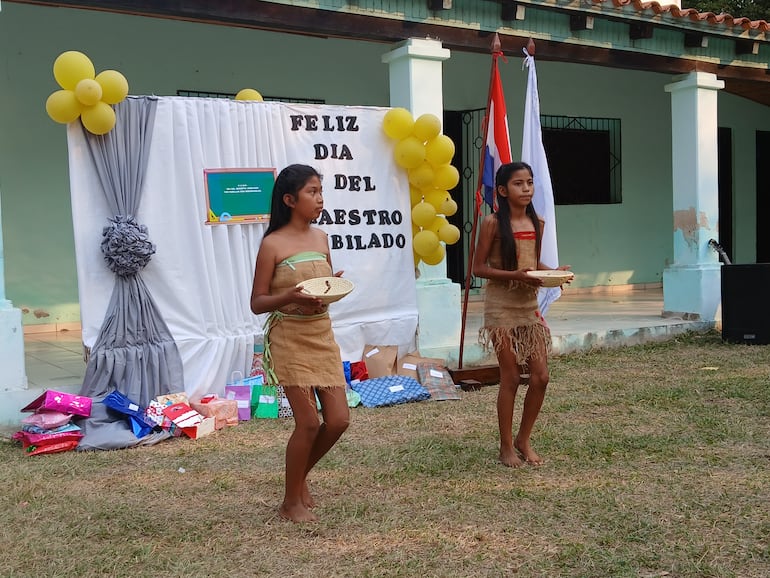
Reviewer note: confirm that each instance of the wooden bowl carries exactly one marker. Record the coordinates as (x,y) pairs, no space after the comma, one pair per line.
(552,278)
(327,289)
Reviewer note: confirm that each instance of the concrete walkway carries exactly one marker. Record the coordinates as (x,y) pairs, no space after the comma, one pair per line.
(579,320)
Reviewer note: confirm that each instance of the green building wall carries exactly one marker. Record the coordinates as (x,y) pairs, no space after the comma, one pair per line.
(626,243)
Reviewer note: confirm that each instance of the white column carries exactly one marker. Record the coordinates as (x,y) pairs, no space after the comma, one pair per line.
(416,83)
(691,284)
(12,373)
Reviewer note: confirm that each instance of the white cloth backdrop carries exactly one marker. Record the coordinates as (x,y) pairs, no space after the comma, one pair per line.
(201,275)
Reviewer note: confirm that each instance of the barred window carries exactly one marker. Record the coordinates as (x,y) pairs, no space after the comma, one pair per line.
(583,158)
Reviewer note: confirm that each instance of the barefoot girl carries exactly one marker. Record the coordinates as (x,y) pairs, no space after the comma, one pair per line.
(300,349)
(508,247)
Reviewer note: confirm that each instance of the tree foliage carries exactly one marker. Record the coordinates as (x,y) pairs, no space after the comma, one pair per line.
(752,9)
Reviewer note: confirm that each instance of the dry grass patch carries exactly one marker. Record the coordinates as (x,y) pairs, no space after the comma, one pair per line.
(657,465)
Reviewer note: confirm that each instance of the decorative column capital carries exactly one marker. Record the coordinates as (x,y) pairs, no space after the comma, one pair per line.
(418,48)
(705,80)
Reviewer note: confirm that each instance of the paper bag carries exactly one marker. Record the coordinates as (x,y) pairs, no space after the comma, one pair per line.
(407,365)
(380,360)
(268,402)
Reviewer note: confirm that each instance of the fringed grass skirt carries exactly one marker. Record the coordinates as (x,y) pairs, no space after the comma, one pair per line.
(512,321)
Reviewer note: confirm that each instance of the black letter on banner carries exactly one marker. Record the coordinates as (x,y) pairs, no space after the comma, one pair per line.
(311,121)
(352,123)
(321,151)
(339,216)
(385,218)
(325,218)
(397,217)
(354,217)
(400,241)
(336,241)
(345,153)
(369,214)
(355,182)
(340,182)
(374,241)
(387,240)
(296,121)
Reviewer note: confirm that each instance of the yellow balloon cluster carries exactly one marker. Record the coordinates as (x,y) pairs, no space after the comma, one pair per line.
(84,93)
(426,155)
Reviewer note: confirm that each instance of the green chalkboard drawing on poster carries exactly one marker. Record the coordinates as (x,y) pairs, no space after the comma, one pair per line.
(235,196)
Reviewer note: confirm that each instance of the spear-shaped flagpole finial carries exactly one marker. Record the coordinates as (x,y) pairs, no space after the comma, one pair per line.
(531,47)
(496,46)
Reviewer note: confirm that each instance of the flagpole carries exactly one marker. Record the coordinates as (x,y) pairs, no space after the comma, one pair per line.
(496,53)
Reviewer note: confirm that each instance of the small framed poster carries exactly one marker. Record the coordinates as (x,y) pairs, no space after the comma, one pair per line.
(237,196)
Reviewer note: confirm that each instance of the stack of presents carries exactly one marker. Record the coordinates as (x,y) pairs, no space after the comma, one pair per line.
(379,379)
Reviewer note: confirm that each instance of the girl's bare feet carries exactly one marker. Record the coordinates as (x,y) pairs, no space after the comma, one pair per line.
(296,513)
(509,458)
(307,498)
(528,454)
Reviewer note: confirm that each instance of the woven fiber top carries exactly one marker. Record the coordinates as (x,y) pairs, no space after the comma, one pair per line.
(327,289)
(552,278)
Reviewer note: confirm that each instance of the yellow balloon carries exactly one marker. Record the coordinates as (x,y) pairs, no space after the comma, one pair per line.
(448,207)
(98,119)
(449,233)
(436,257)
(446,177)
(439,150)
(63,106)
(248,94)
(409,153)
(437,223)
(426,127)
(397,123)
(421,176)
(415,195)
(425,242)
(114,86)
(88,92)
(436,198)
(71,67)
(423,214)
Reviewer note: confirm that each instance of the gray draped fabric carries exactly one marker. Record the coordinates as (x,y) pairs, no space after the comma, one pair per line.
(134,351)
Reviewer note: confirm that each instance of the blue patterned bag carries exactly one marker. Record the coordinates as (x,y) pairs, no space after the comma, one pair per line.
(390,390)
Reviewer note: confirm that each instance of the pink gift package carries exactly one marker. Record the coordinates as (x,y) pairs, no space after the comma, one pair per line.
(59,401)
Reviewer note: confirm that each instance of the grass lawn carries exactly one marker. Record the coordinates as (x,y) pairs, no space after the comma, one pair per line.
(657,464)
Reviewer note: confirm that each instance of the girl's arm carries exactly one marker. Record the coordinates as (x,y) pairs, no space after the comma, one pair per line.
(480,266)
(261,299)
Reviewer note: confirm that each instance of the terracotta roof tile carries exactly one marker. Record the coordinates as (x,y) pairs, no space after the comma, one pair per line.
(725,20)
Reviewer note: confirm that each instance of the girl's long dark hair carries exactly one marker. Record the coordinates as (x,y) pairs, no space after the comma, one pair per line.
(504,229)
(289,181)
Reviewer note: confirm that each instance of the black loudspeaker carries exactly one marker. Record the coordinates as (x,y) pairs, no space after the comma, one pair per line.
(745,305)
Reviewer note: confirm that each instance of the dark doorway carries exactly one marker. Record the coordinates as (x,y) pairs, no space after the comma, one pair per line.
(725,185)
(763,196)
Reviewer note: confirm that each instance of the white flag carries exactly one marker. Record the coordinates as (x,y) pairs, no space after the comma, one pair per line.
(533,153)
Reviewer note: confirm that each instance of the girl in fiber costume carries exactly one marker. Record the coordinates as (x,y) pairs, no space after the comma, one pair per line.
(508,247)
(300,350)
